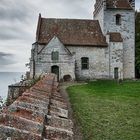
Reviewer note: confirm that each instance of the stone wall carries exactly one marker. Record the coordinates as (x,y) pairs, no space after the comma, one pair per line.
(39,114)
(98,62)
(70,61)
(107,21)
(127,30)
(66,62)
(116,59)
(100,17)
(14,91)
(101,64)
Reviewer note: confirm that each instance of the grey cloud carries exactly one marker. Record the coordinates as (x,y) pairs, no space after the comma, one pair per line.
(15,19)
(71,8)
(9,32)
(5,54)
(26,12)
(14,10)
(6,59)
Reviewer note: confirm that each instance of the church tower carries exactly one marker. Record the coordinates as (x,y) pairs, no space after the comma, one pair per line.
(118,16)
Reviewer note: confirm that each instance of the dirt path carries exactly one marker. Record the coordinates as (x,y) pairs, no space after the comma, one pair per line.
(76,129)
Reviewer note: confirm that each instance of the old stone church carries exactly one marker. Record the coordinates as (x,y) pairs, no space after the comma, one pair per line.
(102,48)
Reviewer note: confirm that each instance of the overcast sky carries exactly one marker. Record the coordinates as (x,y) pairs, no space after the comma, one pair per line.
(18,21)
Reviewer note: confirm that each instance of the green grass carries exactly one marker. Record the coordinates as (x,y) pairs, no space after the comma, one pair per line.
(106,110)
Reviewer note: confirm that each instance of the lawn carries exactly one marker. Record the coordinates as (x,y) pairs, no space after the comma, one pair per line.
(106,110)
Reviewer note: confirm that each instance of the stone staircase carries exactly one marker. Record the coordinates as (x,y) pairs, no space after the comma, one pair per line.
(39,114)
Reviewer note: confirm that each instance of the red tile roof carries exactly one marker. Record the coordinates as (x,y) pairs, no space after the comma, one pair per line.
(118,4)
(70,32)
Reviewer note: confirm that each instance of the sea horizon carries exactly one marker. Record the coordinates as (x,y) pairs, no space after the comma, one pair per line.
(6,79)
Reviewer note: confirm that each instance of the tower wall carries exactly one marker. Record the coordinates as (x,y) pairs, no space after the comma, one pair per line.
(107,19)
(98,14)
(127,30)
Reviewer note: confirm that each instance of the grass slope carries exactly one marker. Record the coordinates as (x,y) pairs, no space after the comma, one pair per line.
(106,110)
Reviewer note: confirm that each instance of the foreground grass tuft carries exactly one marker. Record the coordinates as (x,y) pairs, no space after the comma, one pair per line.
(106,110)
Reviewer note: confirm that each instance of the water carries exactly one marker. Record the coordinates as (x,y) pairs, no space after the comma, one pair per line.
(8,78)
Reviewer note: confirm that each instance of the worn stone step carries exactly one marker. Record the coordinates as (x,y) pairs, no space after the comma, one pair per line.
(57,111)
(58,103)
(60,99)
(27,118)
(21,123)
(32,101)
(39,108)
(26,113)
(57,94)
(10,133)
(48,89)
(53,133)
(37,96)
(60,122)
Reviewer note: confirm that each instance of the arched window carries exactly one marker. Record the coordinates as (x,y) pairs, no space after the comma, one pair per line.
(55,55)
(85,63)
(118,19)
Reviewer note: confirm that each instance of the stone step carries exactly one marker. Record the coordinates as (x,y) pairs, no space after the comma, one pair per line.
(57,98)
(53,133)
(57,111)
(26,113)
(32,101)
(10,133)
(28,117)
(58,122)
(37,96)
(21,123)
(39,108)
(58,103)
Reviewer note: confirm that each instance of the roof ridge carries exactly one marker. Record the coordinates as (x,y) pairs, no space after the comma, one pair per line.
(68,19)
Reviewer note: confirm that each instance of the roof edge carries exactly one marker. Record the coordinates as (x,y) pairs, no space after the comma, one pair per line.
(98,45)
(120,8)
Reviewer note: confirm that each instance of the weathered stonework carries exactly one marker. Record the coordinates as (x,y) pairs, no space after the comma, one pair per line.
(66,62)
(116,59)
(98,67)
(126,28)
(110,48)
(16,90)
(38,114)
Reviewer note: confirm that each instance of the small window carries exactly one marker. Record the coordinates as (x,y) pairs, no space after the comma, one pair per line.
(55,55)
(85,63)
(118,19)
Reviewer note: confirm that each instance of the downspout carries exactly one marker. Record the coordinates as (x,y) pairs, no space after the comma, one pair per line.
(33,66)
(108,42)
(109,62)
